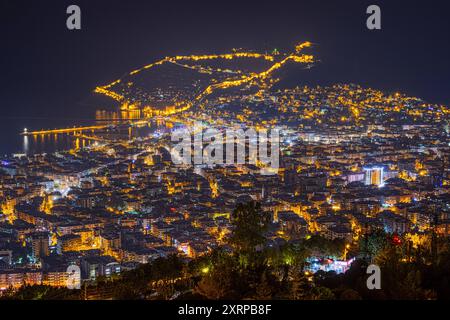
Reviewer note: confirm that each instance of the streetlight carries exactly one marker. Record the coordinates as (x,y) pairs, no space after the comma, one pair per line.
(205,270)
(347,247)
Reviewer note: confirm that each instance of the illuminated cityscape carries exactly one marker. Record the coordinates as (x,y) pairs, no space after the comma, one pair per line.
(363,179)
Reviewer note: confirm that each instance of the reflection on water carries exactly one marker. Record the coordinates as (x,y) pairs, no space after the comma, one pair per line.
(25,144)
(51,143)
(48,143)
(117,116)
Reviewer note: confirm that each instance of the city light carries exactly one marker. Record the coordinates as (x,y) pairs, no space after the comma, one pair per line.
(207,172)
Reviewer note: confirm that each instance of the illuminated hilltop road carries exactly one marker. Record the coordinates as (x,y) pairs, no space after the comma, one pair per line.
(252,78)
(263,75)
(229,82)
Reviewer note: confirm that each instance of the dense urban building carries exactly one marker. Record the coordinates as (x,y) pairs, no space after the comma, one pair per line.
(361,177)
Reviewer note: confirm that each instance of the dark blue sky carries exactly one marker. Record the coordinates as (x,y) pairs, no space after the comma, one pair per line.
(48,69)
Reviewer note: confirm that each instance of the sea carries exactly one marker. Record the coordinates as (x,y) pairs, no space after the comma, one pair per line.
(11,127)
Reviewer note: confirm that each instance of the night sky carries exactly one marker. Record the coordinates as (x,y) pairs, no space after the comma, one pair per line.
(48,69)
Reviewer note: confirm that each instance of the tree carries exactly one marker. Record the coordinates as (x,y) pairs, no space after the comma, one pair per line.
(373,243)
(250,224)
(167,268)
(218,282)
(9,292)
(43,292)
(285,258)
(265,289)
(325,246)
(350,294)
(300,287)
(321,293)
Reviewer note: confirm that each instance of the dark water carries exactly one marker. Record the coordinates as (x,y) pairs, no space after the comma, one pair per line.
(12,142)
